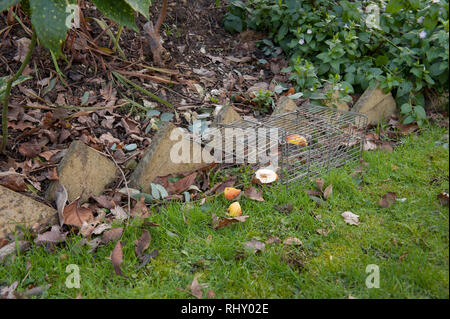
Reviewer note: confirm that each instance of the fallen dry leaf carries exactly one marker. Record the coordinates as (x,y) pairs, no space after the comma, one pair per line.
(319,183)
(3,242)
(51,238)
(211,294)
(112,234)
(234,210)
(254,245)
(254,194)
(219,223)
(146,258)
(13,181)
(273,240)
(328,191)
(292,241)
(322,232)
(286,208)
(196,288)
(117,258)
(311,192)
(87,228)
(30,149)
(104,201)
(140,209)
(350,218)
(119,213)
(387,200)
(75,215)
(101,228)
(142,243)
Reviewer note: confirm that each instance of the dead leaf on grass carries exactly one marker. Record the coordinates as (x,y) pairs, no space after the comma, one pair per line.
(112,234)
(292,241)
(350,218)
(387,200)
(119,213)
(51,238)
(320,183)
(75,215)
(254,245)
(273,240)
(322,232)
(30,149)
(286,208)
(196,288)
(219,223)
(328,191)
(140,209)
(142,243)
(117,258)
(146,258)
(253,193)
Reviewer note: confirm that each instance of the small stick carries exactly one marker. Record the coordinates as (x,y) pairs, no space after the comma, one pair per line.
(124,179)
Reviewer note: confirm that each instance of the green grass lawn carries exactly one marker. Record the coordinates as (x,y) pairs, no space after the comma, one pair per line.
(408,240)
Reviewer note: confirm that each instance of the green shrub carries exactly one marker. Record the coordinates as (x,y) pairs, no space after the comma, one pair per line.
(406,54)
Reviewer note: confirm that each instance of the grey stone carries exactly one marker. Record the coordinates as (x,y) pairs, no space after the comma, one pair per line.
(163,157)
(16,208)
(376,105)
(84,172)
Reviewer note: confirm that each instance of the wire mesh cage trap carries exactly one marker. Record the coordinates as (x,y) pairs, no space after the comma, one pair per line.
(303,144)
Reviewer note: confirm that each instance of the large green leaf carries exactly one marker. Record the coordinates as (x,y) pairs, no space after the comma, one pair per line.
(5,4)
(140,6)
(119,11)
(49,20)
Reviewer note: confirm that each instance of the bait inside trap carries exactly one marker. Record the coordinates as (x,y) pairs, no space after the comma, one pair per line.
(303,144)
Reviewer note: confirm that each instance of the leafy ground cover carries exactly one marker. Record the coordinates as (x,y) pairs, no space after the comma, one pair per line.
(408,240)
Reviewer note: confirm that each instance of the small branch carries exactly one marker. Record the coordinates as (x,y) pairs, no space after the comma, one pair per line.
(124,178)
(162,16)
(8,91)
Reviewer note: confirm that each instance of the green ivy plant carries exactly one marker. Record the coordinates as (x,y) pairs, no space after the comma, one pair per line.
(51,20)
(405,52)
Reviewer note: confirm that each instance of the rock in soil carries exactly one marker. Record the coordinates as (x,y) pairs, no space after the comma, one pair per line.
(166,156)
(83,172)
(16,208)
(377,105)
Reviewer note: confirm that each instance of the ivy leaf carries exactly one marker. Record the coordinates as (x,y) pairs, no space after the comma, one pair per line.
(406,108)
(394,6)
(140,6)
(408,120)
(119,11)
(49,20)
(430,22)
(420,112)
(5,4)
(233,23)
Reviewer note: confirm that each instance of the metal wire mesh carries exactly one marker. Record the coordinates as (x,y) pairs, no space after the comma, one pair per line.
(334,138)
